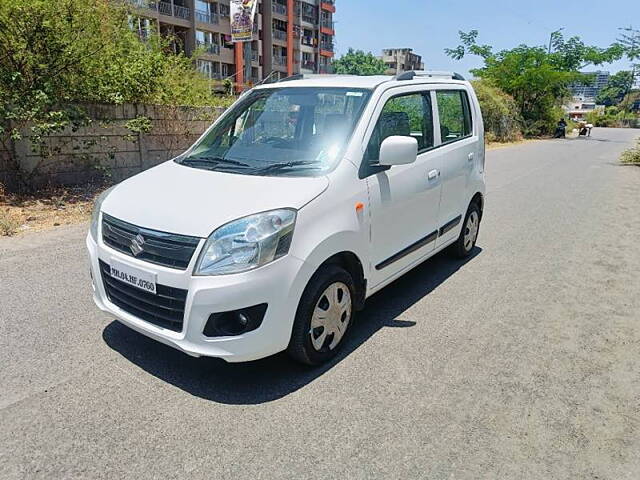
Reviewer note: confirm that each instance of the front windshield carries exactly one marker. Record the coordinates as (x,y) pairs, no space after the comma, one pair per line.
(294,131)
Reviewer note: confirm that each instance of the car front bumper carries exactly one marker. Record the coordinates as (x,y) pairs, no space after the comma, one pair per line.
(279,284)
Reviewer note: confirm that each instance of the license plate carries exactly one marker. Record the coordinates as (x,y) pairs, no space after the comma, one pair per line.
(133,276)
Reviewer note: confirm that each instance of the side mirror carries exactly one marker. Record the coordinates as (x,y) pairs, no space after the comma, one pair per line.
(397,150)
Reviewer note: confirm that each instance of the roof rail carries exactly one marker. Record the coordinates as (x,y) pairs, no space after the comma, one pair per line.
(297,76)
(410,75)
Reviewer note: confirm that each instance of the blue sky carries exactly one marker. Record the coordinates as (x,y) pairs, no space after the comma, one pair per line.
(430,26)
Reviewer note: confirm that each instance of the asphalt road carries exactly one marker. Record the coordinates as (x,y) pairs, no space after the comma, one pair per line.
(523,362)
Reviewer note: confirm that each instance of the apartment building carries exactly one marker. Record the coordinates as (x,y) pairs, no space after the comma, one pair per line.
(591,91)
(400,60)
(290,36)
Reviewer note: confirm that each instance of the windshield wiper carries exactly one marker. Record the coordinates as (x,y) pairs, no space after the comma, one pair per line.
(278,167)
(213,161)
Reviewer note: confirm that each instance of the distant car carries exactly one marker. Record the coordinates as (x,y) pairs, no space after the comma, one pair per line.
(306,197)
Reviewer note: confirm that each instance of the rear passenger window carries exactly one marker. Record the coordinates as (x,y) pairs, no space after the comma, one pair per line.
(407,116)
(455,115)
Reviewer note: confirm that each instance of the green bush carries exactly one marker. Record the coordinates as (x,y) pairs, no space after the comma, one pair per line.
(501,115)
(612,117)
(54,55)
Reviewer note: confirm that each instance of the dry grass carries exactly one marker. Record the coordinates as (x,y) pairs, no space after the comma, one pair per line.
(8,224)
(496,145)
(47,209)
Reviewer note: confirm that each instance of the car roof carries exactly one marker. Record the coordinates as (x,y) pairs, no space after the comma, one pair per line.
(359,81)
(345,81)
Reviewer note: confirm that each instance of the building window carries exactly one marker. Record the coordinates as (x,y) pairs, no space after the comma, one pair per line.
(207,68)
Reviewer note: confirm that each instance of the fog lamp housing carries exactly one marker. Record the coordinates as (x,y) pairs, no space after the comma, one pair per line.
(235,322)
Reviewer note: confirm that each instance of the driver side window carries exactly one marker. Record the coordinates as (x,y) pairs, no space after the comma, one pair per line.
(405,115)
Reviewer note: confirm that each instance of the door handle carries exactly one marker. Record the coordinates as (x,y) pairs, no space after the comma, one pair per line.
(433,174)
(471,157)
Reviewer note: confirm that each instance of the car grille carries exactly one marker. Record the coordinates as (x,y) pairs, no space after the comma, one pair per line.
(164,309)
(167,249)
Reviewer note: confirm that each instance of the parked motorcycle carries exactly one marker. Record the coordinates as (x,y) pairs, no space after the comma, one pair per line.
(561,129)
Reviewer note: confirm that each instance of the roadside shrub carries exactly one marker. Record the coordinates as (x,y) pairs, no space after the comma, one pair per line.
(502,121)
(631,156)
(610,118)
(8,224)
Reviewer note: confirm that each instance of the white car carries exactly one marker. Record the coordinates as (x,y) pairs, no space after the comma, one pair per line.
(303,199)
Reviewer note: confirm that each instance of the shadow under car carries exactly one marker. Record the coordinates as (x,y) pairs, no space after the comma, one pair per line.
(274,377)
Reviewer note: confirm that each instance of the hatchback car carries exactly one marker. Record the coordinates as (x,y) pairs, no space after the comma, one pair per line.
(304,198)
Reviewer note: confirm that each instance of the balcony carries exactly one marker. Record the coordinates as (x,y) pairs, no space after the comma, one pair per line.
(308,41)
(328,6)
(328,24)
(327,46)
(279,9)
(279,60)
(206,17)
(171,10)
(280,35)
(254,55)
(309,65)
(211,48)
(144,4)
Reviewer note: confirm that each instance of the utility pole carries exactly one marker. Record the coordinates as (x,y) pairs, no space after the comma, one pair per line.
(553,34)
(247,62)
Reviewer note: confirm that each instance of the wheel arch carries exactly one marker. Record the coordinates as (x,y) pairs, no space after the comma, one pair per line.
(352,264)
(478,199)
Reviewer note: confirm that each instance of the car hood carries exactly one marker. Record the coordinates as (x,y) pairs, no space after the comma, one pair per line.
(176,199)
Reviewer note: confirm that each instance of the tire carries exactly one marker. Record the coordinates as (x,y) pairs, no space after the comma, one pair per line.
(330,288)
(463,247)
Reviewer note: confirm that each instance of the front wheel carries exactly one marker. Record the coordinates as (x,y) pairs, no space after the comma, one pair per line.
(323,317)
(463,247)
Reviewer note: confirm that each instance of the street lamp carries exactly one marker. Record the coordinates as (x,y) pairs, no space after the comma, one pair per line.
(551,37)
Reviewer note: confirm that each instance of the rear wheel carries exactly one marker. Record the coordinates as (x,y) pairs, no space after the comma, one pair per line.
(463,247)
(324,316)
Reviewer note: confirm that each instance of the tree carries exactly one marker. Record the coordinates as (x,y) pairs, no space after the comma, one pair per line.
(536,79)
(56,54)
(617,87)
(357,62)
(630,41)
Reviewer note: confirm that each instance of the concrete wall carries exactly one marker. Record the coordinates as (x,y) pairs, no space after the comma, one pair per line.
(107,147)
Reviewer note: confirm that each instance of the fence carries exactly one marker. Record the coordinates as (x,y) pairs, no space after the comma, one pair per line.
(119,141)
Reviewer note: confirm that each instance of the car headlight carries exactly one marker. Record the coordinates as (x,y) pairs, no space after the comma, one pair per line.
(247,243)
(95,215)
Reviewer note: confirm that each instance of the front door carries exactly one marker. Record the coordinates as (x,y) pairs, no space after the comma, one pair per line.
(404,199)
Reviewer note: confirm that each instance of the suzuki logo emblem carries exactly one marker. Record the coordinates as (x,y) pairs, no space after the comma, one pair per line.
(137,245)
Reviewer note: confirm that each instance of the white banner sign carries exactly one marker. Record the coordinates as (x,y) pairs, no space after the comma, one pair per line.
(243,14)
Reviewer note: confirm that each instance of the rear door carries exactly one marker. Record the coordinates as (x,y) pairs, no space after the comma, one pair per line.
(457,151)
(404,199)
